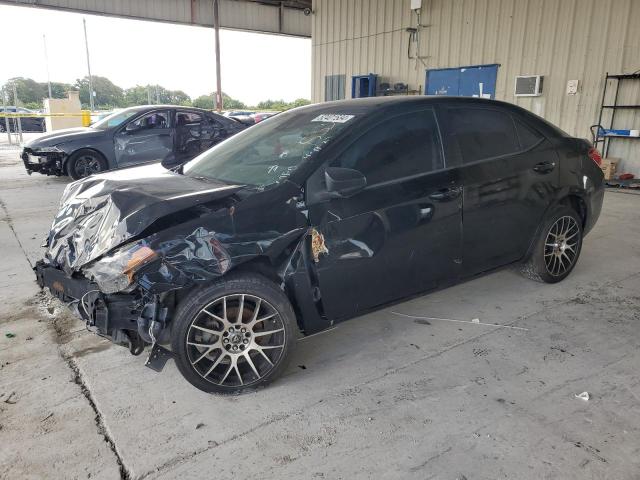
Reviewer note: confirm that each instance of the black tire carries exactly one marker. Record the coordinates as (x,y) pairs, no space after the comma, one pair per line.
(85,162)
(202,341)
(557,248)
(3,129)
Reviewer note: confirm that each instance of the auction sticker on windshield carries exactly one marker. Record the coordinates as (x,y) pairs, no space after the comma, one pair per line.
(333,118)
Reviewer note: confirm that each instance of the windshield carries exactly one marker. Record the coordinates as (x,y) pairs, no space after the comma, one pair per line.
(269,152)
(114,119)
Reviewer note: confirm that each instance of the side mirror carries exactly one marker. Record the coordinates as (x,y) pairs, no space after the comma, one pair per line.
(344,182)
(131,127)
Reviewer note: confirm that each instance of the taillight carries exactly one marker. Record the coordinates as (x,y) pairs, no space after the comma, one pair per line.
(594,155)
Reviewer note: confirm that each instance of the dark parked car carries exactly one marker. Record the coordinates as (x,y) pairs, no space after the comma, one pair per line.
(28,124)
(315,216)
(251,118)
(135,135)
(260,116)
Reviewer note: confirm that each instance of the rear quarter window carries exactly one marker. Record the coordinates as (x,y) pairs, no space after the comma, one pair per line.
(527,135)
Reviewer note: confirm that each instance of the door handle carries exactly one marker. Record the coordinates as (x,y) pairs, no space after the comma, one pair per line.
(544,167)
(425,212)
(448,193)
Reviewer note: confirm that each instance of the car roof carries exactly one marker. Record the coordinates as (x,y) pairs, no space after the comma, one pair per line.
(364,106)
(142,108)
(375,103)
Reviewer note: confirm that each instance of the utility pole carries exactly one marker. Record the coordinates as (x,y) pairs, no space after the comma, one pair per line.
(216,26)
(15,102)
(7,122)
(157,94)
(86,45)
(149,95)
(46,62)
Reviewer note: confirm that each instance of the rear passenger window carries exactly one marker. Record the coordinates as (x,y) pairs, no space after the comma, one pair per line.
(187,118)
(398,147)
(527,135)
(480,133)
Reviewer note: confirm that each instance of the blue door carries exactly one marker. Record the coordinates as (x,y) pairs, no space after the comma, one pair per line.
(475,81)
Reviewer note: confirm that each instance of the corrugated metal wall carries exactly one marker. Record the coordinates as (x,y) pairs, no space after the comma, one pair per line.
(560,39)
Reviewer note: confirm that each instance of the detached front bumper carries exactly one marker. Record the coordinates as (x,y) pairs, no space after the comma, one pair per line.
(47,163)
(120,317)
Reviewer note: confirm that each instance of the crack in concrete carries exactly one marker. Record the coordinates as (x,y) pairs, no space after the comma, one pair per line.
(101,426)
(71,363)
(183,458)
(434,457)
(15,235)
(125,474)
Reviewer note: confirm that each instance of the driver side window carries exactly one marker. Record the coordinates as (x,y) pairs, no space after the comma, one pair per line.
(401,146)
(151,121)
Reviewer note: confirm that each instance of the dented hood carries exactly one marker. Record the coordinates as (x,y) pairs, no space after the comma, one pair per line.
(62,136)
(101,212)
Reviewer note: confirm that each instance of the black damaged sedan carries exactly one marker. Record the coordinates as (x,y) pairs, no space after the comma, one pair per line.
(312,217)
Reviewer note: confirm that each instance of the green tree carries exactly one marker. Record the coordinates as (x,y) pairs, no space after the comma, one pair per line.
(107,95)
(281,105)
(28,90)
(58,89)
(209,102)
(272,105)
(176,97)
(141,95)
(138,95)
(300,102)
(30,93)
(205,101)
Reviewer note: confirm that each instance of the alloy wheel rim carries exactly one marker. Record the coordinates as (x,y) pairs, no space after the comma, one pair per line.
(561,246)
(236,340)
(87,165)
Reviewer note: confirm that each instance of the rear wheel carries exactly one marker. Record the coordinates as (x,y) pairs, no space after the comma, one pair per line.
(84,163)
(233,336)
(557,249)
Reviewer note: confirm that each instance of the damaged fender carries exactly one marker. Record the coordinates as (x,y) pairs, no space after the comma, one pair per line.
(144,243)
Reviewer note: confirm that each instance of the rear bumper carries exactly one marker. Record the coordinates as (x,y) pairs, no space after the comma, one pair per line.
(45,163)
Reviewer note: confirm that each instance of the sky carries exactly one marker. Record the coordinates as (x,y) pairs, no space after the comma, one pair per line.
(254,66)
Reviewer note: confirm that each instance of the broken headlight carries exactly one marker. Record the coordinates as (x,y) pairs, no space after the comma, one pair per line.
(47,150)
(114,273)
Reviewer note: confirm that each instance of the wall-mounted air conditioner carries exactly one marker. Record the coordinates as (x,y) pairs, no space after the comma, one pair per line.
(528,85)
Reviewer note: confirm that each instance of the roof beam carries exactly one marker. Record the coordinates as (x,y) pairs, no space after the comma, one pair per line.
(266,16)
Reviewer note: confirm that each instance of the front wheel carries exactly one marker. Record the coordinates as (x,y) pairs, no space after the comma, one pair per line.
(84,163)
(557,249)
(233,336)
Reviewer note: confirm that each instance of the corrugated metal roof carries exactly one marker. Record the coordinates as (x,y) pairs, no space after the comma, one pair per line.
(265,16)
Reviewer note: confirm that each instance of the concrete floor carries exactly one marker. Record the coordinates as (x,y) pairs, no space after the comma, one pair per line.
(381,396)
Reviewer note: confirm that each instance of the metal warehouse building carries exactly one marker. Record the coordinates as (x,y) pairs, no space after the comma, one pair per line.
(561,49)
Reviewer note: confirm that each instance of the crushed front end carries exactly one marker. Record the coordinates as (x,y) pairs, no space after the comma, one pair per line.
(45,160)
(126,318)
(127,246)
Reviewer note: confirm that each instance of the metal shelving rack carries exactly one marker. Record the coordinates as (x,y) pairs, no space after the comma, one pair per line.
(598,136)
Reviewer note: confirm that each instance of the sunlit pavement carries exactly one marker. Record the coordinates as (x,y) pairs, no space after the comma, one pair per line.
(380,396)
